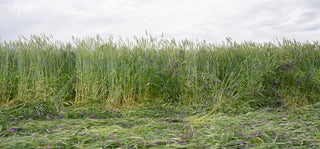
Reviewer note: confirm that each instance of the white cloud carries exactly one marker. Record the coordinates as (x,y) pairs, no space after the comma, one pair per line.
(262,20)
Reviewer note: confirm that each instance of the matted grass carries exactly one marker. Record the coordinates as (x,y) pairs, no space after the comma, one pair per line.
(162,126)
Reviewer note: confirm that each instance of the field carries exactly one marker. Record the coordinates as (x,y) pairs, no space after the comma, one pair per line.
(158,93)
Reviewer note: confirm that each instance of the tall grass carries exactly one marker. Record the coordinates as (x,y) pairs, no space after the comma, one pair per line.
(156,70)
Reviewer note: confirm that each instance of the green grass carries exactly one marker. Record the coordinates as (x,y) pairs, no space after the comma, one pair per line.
(118,73)
(162,126)
(158,93)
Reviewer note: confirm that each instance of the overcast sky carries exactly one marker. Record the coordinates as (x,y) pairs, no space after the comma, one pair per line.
(210,20)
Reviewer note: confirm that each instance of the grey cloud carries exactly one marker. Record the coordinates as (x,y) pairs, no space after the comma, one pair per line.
(313,27)
(307,17)
(204,19)
(313,3)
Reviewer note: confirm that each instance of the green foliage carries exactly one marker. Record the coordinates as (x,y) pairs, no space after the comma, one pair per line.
(151,70)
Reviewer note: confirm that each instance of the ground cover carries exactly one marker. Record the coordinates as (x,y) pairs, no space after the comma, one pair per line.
(160,126)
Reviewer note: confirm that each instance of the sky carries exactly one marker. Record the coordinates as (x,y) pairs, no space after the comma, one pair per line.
(210,20)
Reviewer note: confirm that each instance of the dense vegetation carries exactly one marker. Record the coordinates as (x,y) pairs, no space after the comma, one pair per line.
(157,70)
(44,83)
